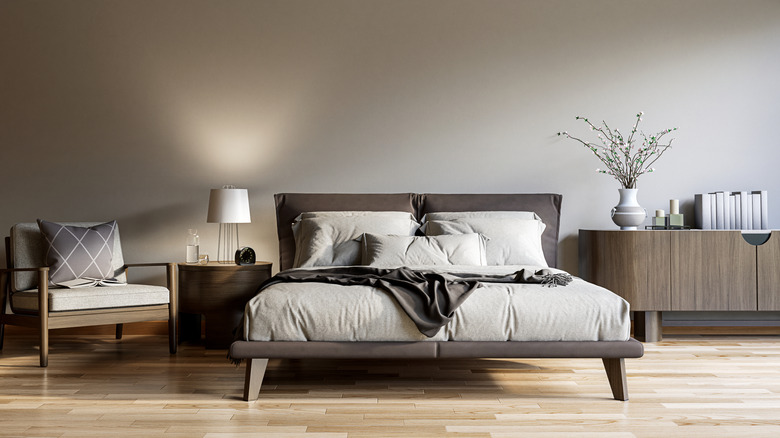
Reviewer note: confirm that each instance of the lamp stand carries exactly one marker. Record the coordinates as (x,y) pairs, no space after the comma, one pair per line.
(228,243)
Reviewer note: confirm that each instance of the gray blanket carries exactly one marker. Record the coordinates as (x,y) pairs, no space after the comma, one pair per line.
(429,298)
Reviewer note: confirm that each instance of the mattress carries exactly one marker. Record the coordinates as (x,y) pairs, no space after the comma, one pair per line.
(580,311)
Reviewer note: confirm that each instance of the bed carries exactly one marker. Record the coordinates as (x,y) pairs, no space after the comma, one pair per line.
(336,320)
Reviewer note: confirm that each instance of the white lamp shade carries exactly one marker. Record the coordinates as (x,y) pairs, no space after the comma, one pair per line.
(229,206)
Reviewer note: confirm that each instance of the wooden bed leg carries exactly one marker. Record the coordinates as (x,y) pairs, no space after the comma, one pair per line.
(255,370)
(616,374)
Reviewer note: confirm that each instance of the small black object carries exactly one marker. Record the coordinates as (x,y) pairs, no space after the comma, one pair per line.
(245,256)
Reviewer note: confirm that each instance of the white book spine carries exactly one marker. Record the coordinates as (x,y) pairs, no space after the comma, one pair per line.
(732,212)
(749,224)
(756,211)
(713,212)
(726,211)
(764,210)
(743,199)
(720,211)
(737,210)
(702,211)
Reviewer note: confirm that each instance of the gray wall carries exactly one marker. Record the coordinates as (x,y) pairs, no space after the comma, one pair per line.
(133,110)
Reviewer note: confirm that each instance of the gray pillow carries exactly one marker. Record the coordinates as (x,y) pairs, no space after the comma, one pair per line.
(73,252)
(394,251)
(510,241)
(333,238)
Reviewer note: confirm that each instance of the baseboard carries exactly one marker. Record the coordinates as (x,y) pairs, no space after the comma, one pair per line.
(719,328)
(130,328)
(161,328)
(722,330)
(723,323)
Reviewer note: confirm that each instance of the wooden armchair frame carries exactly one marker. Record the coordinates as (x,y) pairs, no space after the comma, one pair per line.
(46,320)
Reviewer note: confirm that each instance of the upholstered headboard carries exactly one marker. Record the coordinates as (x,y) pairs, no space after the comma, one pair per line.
(290,205)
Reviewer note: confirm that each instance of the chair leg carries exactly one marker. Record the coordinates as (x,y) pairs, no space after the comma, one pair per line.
(44,343)
(172,338)
(119,330)
(2,326)
(173,307)
(43,313)
(4,291)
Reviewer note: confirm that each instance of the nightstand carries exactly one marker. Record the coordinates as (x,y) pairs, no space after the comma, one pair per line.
(219,292)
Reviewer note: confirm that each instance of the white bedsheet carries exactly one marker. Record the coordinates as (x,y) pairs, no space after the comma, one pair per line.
(580,311)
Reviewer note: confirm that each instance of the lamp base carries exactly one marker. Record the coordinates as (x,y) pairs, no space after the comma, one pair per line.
(228,244)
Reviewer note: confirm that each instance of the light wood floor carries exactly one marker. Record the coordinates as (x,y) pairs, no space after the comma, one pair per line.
(690,386)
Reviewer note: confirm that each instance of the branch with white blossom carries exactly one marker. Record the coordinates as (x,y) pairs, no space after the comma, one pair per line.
(625,161)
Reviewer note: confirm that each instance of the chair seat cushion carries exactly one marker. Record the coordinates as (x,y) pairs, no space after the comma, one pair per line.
(98,297)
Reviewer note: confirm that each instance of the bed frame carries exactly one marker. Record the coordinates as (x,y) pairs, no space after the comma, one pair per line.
(548,206)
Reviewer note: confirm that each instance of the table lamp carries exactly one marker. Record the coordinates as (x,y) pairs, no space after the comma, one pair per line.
(229,207)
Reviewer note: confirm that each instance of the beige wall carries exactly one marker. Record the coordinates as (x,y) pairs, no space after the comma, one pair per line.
(133,110)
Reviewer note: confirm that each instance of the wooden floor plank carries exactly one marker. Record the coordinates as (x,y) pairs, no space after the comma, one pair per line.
(696,386)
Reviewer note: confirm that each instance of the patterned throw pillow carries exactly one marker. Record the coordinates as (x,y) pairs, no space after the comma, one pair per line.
(77,252)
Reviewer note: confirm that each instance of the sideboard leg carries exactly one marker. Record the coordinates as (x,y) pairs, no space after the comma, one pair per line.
(648,326)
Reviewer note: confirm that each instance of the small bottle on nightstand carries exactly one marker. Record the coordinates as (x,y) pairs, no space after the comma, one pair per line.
(193,246)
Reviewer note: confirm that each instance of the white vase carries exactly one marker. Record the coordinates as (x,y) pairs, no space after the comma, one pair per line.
(628,214)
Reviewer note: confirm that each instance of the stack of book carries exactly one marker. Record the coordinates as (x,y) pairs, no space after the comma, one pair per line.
(732,210)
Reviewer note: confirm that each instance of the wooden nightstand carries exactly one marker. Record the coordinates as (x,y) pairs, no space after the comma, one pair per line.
(219,292)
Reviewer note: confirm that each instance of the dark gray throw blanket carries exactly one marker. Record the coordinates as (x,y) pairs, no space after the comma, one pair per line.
(429,298)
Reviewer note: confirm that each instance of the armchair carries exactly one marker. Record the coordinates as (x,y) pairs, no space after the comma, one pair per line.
(25,289)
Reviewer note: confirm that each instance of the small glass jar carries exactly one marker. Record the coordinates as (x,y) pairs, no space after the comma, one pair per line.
(193,246)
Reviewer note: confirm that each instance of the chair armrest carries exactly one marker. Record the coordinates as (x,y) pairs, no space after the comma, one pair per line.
(170,268)
(8,270)
(43,286)
(5,282)
(144,265)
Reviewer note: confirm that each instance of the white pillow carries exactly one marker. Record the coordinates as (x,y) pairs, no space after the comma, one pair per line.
(333,238)
(394,251)
(510,241)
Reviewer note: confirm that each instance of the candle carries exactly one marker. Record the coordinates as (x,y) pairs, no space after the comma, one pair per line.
(660,213)
(674,206)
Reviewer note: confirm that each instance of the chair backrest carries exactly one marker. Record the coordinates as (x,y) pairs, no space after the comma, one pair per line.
(28,251)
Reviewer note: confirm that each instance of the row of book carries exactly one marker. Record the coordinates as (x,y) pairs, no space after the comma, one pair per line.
(732,210)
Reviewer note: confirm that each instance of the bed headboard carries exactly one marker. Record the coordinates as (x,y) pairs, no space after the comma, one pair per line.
(290,205)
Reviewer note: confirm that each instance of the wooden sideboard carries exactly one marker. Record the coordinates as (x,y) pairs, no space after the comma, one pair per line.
(683,270)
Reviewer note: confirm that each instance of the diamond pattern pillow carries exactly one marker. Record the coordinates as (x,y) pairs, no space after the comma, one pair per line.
(78,252)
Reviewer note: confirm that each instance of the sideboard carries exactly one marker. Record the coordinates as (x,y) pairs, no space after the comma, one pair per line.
(682,270)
